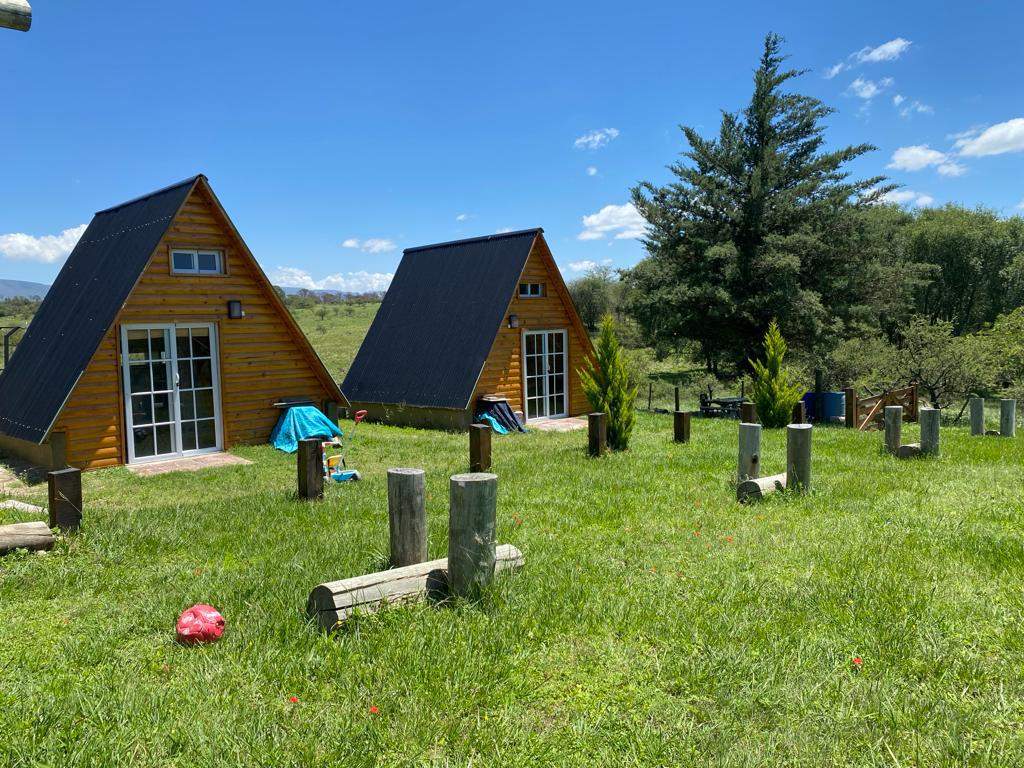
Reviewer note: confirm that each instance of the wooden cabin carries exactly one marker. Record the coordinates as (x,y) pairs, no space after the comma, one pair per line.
(464,320)
(161,337)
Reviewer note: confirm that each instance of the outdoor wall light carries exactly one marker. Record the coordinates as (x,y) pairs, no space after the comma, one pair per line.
(513,321)
(235,311)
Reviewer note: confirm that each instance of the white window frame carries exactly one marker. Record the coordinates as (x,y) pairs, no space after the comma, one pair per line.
(529,290)
(194,253)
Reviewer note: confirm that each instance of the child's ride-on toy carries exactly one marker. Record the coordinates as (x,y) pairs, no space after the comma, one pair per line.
(335,467)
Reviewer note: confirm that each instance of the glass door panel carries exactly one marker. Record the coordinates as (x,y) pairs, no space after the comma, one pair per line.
(544,358)
(196,396)
(150,389)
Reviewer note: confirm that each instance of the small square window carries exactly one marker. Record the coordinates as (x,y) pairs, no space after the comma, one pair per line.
(530,290)
(197,262)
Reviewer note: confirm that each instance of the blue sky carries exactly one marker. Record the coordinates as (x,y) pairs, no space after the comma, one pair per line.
(337,134)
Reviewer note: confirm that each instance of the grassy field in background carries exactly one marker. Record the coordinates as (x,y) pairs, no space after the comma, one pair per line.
(657,621)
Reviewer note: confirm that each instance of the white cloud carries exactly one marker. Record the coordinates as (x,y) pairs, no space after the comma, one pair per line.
(1020,205)
(503,230)
(898,99)
(868,89)
(46,248)
(596,139)
(351,282)
(914,107)
(587,264)
(624,220)
(997,139)
(835,69)
(462,217)
(951,169)
(591,170)
(916,157)
(889,51)
(370,245)
(908,197)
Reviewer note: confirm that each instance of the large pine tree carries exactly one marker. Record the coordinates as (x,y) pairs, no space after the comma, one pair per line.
(757,225)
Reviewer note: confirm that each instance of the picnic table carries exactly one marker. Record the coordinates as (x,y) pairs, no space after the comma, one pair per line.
(721,407)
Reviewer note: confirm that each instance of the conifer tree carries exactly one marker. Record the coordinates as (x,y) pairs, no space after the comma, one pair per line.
(606,383)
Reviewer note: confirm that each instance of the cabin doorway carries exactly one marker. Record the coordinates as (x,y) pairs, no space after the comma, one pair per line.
(545,372)
(171,389)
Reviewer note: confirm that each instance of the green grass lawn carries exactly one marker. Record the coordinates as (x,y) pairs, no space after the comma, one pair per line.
(657,621)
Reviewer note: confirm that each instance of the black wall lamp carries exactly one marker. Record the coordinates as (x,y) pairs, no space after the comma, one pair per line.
(513,321)
(235,311)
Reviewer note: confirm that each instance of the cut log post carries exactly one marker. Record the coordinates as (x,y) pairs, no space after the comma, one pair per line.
(800,413)
(749,465)
(407,516)
(65,498)
(677,398)
(333,602)
(16,14)
(479,448)
(1008,418)
(929,418)
(310,464)
(21,506)
(748,413)
(597,433)
(35,536)
(893,428)
(850,398)
(758,487)
(681,426)
(798,457)
(977,407)
(472,523)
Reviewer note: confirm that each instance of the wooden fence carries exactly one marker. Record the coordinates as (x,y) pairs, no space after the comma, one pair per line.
(866,412)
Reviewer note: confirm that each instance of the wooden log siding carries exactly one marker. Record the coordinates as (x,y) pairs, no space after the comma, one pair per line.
(503,374)
(260,359)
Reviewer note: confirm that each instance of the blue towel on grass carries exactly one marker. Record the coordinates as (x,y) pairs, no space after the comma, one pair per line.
(300,422)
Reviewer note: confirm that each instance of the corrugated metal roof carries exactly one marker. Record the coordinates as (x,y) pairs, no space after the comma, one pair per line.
(432,334)
(79,309)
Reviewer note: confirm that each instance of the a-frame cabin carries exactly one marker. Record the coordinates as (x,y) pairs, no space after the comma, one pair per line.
(161,337)
(487,316)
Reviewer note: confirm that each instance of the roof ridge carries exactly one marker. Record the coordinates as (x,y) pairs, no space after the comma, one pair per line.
(480,239)
(154,193)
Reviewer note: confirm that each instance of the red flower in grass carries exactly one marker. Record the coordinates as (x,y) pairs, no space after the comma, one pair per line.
(517,521)
(858,663)
(293,699)
(697,534)
(729,539)
(374,710)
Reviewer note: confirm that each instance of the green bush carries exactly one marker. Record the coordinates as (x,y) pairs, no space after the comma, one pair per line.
(772,391)
(606,382)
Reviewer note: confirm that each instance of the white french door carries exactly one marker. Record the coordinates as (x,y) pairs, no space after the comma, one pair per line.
(544,373)
(171,390)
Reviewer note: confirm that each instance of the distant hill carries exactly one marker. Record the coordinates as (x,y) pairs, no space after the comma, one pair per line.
(11,288)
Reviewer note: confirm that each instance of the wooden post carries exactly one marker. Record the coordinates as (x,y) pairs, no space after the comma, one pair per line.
(748,413)
(929,418)
(677,398)
(407,516)
(749,465)
(1008,417)
(850,396)
(800,413)
(311,468)
(893,428)
(913,415)
(650,394)
(681,426)
(65,498)
(977,406)
(479,448)
(597,433)
(472,519)
(798,457)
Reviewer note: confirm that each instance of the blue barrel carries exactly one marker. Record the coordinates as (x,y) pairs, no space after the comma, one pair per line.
(833,406)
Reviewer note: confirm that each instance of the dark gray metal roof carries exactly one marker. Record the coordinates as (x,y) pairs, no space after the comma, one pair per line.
(79,309)
(437,324)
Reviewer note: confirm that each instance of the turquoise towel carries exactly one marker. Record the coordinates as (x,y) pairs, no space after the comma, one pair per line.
(300,422)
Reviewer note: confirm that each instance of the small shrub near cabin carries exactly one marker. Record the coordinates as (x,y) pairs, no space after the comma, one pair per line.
(772,391)
(607,383)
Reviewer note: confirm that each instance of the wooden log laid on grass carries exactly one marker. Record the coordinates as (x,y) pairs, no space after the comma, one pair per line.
(977,415)
(407,516)
(597,434)
(798,457)
(929,418)
(681,426)
(893,428)
(756,488)
(64,491)
(479,448)
(908,451)
(749,464)
(16,14)
(35,536)
(333,602)
(472,527)
(1008,417)
(310,462)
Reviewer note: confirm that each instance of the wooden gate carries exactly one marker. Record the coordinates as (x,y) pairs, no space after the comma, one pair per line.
(866,412)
